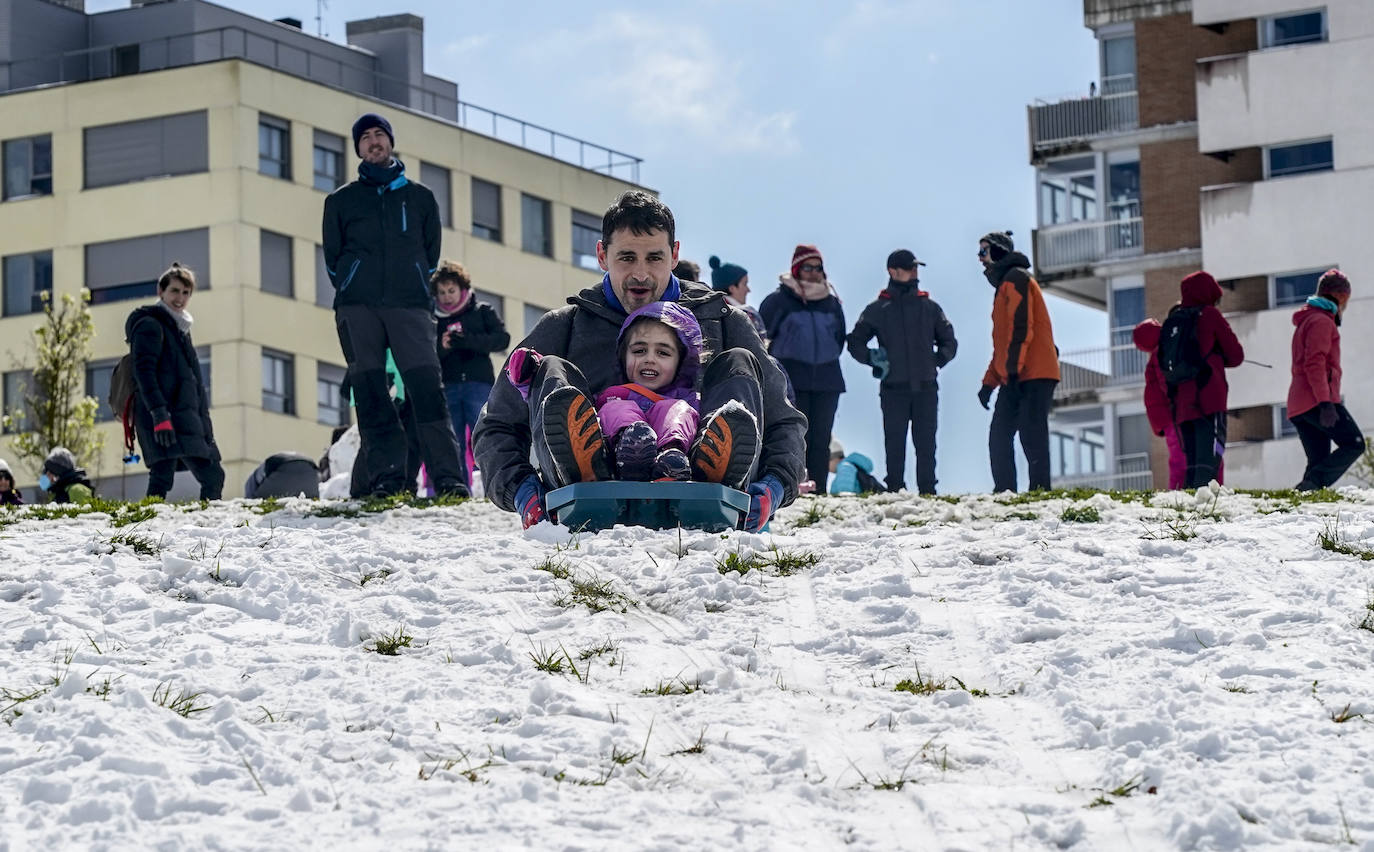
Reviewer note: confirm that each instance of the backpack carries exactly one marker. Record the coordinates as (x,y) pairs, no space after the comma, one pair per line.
(1180,357)
(121,400)
(868,483)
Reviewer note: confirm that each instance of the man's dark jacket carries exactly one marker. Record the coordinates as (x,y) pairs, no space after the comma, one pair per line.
(167,375)
(468,359)
(584,332)
(381,243)
(912,328)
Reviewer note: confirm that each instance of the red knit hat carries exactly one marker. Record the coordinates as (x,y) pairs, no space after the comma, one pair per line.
(801,254)
(1333,283)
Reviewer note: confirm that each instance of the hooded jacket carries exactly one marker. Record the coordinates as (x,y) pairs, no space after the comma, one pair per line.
(846,479)
(69,482)
(1022,336)
(381,242)
(919,339)
(683,386)
(167,375)
(806,330)
(1219,348)
(585,332)
(1157,409)
(1316,360)
(468,359)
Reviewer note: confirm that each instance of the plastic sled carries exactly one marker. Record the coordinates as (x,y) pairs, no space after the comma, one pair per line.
(596,506)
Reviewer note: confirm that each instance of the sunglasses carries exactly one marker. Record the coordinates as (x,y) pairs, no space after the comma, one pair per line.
(811,267)
(983,252)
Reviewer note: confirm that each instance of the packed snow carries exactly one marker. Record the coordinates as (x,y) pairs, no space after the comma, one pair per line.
(891,672)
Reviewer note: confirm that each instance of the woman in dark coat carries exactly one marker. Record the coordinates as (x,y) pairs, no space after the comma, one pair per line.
(806,333)
(172,410)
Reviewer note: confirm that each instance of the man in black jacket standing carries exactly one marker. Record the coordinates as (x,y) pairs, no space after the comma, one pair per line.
(381,244)
(914,341)
(172,409)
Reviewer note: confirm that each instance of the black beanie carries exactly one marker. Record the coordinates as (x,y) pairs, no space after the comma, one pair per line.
(366,123)
(999,244)
(725,275)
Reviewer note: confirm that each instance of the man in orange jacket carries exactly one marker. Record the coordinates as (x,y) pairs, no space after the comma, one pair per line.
(1024,365)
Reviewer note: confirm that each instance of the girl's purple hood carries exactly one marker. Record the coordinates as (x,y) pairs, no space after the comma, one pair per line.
(684,324)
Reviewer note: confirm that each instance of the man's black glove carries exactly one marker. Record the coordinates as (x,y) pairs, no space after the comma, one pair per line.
(985,395)
(163,432)
(1327,415)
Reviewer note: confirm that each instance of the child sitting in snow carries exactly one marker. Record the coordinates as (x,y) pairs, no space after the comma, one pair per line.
(61,478)
(650,420)
(853,473)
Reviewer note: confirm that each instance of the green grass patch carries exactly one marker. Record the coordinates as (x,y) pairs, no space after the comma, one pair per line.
(1330,539)
(183,703)
(141,544)
(1074,494)
(390,644)
(675,686)
(921,685)
(815,513)
(1366,621)
(1080,515)
(784,563)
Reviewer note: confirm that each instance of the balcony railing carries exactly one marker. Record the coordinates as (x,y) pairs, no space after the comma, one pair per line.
(438,100)
(1086,371)
(1082,244)
(1055,125)
(1131,473)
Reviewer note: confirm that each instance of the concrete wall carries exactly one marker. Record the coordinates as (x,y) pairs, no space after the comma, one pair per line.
(1345,19)
(1166,50)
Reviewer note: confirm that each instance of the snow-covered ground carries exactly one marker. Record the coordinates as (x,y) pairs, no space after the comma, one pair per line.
(1188,674)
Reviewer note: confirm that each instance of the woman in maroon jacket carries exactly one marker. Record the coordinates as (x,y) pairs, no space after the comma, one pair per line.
(1314,396)
(1199,404)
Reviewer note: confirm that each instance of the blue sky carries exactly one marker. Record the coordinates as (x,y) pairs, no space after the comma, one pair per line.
(858,126)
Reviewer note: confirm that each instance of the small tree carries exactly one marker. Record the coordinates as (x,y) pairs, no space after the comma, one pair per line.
(59,412)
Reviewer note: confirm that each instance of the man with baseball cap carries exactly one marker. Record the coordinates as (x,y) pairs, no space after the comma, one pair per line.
(915,340)
(381,242)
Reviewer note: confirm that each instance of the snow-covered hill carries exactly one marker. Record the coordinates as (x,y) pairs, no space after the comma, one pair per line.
(888,673)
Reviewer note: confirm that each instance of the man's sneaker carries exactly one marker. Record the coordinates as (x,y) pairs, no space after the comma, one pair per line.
(726,447)
(455,488)
(573,436)
(672,466)
(634,449)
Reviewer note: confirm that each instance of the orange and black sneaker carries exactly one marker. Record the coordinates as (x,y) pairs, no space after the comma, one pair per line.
(726,447)
(573,435)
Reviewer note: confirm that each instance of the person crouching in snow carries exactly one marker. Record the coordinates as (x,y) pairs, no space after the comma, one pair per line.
(853,473)
(1315,407)
(649,420)
(66,482)
(9,495)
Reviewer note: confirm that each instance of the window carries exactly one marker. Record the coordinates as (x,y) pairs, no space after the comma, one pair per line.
(586,232)
(1127,309)
(534,225)
(28,167)
(275,264)
(1118,65)
(1300,28)
(486,210)
(329,161)
(126,59)
(27,278)
(1299,158)
(332,404)
(18,383)
(1068,191)
(1284,428)
(278,382)
(533,314)
(1293,288)
(437,179)
(496,300)
(274,147)
(129,269)
(98,386)
(149,148)
(203,356)
(324,288)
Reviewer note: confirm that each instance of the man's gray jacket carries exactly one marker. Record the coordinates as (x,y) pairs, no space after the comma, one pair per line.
(584,332)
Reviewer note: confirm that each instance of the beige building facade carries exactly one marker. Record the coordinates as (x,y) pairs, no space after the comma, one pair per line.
(225,165)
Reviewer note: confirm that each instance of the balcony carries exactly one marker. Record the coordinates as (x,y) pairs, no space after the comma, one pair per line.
(1061,250)
(1072,123)
(1276,96)
(1084,373)
(1132,473)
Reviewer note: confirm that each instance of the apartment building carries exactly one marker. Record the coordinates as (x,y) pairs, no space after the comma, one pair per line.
(182,130)
(1296,100)
(1118,177)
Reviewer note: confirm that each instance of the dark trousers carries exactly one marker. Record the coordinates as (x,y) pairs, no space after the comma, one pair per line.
(819,408)
(732,375)
(465,401)
(360,481)
(208,472)
(365,334)
(918,410)
(1022,408)
(1203,441)
(1324,467)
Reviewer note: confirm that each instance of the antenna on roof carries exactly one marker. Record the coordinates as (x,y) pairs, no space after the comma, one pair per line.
(320,6)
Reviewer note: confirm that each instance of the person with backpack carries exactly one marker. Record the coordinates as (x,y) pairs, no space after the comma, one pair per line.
(1315,406)
(1024,367)
(1196,347)
(853,473)
(171,412)
(1145,336)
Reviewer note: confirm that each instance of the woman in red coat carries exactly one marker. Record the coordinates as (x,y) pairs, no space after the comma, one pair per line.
(1199,404)
(1314,396)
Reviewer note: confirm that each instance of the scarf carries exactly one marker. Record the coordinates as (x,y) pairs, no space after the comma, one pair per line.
(807,291)
(464,298)
(390,176)
(1325,304)
(671,293)
(183,318)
